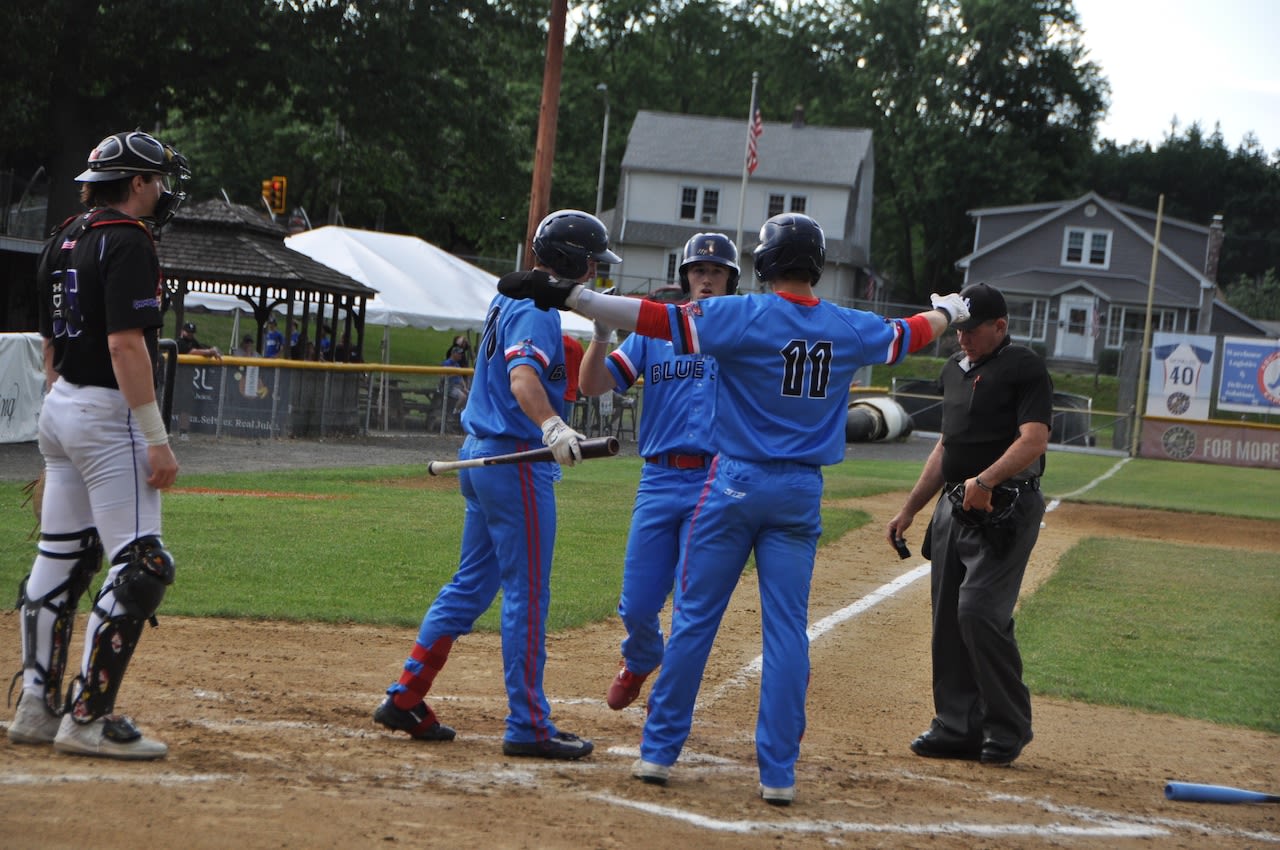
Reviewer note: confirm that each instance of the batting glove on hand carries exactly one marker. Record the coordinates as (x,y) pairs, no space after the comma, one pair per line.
(601,332)
(955,307)
(562,440)
(543,289)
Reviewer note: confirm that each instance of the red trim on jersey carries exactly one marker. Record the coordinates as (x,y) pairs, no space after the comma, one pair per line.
(624,366)
(805,300)
(921,332)
(652,320)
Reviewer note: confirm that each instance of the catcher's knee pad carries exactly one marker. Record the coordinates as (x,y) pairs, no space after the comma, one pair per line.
(140,585)
(47,620)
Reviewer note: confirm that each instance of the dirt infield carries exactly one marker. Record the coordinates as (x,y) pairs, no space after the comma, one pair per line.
(272,744)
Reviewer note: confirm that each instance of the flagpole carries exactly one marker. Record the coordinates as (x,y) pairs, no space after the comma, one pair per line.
(742,194)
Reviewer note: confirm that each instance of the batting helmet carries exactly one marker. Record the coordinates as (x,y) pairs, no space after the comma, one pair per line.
(710,248)
(790,242)
(567,240)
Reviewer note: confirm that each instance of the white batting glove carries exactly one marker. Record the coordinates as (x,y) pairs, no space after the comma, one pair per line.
(601,332)
(955,307)
(562,440)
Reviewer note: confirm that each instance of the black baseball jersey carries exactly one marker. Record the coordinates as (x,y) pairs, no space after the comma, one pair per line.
(98,274)
(983,407)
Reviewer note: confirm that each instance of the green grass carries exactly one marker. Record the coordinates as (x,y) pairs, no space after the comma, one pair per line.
(1186,630)
(1125,623)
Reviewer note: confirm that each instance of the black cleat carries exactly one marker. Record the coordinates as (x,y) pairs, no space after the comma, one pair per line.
(561,745)
(420,721)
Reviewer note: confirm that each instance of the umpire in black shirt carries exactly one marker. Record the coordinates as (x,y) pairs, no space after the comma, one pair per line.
(997,409)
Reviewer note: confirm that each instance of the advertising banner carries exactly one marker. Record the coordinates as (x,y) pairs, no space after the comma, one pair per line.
(1250,381)
(21,386)
(1245,444)
(1181,382)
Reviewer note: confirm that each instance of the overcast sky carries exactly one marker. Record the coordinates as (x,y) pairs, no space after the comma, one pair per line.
(1211,61)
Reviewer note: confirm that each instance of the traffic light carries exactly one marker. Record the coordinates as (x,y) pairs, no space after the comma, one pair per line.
(273,191)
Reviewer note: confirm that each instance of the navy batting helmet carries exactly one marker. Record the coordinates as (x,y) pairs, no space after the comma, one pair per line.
(567,240)
(790,242)
(710,248)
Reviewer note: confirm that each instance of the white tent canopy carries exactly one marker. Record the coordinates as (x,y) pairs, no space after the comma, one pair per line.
(418,284)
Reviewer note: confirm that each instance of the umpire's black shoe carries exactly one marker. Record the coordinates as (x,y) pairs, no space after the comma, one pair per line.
(420,721)
(561,745)
(939,742)
(1003,752)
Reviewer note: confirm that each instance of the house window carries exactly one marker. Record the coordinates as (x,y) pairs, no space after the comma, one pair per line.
(688,203)
(673,265)
(1085,246)
(1028,317)
(779,204)
(710,205)
(1125,324)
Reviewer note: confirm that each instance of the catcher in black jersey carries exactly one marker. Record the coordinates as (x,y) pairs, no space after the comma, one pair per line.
(106,451)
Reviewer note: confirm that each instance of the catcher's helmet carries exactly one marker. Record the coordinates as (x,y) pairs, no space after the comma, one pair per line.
(123,155)
(126,154)
(567,240)
(790,242)
(710,248)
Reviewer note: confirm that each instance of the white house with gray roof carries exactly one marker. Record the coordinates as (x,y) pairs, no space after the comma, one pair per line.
(682,174)
(1076,274)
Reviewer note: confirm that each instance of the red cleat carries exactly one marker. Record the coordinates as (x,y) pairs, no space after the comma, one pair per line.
(625,688)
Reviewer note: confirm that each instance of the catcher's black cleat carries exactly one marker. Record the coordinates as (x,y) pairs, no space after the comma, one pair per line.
(561,745)
(420,721)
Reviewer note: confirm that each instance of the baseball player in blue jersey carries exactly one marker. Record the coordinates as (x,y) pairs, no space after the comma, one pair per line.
(508,533)
(676,442)
(106,452)
(786,360)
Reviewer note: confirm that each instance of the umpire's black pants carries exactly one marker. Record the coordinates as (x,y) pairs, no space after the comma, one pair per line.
(977,668)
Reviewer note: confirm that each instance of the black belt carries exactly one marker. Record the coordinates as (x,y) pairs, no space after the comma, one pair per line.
(677,461)
(1032,483)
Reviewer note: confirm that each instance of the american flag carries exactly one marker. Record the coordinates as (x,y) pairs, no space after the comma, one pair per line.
(754,131)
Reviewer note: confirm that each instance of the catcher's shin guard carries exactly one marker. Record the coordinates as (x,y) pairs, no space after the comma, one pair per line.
(123,605)
(47,619)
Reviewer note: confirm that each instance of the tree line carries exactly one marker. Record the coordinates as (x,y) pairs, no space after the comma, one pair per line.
(420,117)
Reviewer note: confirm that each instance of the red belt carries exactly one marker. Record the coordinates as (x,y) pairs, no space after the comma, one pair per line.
(676,461)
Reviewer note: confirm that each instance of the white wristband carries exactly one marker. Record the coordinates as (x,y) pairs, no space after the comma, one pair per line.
(151,424)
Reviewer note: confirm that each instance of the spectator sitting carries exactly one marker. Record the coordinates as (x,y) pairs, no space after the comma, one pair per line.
(456,389)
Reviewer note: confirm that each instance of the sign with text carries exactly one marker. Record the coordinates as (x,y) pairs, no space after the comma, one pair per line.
(1181,382)
(1245,444)
(1250,381)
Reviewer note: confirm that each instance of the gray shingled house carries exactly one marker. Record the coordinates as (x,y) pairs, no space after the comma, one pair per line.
(1075,274)
(682,174)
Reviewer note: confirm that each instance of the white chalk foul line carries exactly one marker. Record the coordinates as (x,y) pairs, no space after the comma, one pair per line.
(978,830)
(875,597)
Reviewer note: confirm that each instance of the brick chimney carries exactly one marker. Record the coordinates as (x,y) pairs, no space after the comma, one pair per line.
(797,117)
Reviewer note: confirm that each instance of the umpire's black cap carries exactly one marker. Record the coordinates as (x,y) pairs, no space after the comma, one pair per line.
(985,303)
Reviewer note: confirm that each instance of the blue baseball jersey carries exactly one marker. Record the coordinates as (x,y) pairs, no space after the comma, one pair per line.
(515,333)
(680,390)
(786,365)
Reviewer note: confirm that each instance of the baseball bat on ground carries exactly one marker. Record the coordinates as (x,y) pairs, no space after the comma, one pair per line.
(1190,792)
(593,448)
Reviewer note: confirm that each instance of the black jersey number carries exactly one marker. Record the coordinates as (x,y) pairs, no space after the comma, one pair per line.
(489,338)
(807,369)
